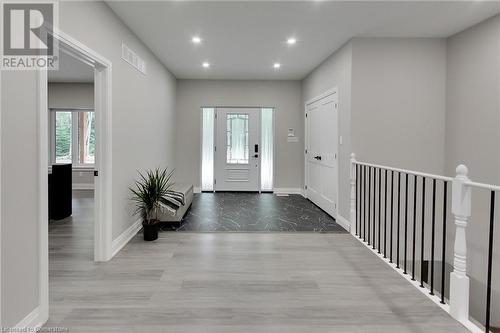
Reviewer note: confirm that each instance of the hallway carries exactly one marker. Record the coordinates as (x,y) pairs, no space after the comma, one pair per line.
(238,282)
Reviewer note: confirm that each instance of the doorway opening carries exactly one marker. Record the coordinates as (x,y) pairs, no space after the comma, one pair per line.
(71,156)
(81,135)
(237,149)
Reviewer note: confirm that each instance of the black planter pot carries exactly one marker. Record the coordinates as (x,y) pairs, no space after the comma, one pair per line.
(150,232)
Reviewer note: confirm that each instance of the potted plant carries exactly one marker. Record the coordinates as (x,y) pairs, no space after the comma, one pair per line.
(148,195)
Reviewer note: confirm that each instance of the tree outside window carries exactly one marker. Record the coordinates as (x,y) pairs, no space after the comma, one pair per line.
(74,137)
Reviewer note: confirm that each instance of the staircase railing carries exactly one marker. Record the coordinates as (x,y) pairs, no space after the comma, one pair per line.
(391,211)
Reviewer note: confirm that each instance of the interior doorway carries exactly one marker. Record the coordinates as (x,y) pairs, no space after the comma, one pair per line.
(71,156)
(101,211)
(321,158)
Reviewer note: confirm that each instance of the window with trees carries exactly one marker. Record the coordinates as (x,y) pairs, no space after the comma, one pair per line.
(73,137)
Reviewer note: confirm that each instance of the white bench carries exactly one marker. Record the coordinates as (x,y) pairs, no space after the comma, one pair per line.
(187,190)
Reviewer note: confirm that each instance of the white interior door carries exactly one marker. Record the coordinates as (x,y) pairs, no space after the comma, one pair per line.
(237,153)
(322,153)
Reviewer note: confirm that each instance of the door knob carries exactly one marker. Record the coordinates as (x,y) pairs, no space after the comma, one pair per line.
(256,155)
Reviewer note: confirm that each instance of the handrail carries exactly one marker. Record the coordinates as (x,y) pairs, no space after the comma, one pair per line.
(483,186)
(364,219)
(416,173)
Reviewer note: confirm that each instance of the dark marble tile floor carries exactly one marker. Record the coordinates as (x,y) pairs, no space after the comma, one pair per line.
(254,212)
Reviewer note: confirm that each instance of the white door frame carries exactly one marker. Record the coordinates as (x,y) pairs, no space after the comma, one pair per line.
(333,91)
(102,100)
(215,141)
(259,138)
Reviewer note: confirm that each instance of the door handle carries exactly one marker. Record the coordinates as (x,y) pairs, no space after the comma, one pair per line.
(317,157)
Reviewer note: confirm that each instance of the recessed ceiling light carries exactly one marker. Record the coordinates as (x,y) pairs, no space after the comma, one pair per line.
(277,65)
(291,41)
(205,64)
(196,40)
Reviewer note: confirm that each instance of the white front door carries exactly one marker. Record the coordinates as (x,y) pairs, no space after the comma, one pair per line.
(237,153)
(322,153)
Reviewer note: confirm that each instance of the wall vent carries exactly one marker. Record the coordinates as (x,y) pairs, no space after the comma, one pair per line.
(133,59)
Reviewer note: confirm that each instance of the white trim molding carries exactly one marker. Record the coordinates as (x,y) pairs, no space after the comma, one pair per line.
(43,200)
(125,237)
(343,222)
(1,200)
(32,321)
(288,190)
(83,186)
(103,186)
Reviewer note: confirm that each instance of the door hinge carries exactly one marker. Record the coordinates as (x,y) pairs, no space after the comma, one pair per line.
(305,186)
(306,151)
(336,106)
(96,173)
(215,181)
(306,115)
(215,148)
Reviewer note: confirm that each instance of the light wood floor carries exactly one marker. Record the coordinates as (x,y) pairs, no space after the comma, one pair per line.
(231,282)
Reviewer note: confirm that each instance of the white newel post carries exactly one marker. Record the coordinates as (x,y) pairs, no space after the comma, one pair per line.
(352,216)
(459,282)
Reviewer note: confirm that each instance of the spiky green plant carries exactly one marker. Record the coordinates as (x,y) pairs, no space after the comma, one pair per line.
(149,192)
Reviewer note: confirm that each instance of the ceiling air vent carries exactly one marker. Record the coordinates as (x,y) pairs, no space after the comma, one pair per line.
(133,59)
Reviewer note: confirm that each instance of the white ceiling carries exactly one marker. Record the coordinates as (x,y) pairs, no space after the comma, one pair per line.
(71,71)
(242,39)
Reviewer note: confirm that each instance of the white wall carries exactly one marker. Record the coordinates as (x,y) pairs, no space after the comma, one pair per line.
(74,96)
(285,96)
(19,174)
(143,135)
(336,72)
(143,105)
(472,138)
(71,95)
(398,102)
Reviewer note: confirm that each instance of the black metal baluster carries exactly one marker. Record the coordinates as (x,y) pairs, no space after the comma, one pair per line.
(379,205)
(406,224)
(385,214)
(415,185)
(422,239)
(356,187)
(364,201)
(443,264)
(360,199)
(399,218)
(374,216)
(369,201)
(490,258)
(392,213)
(433,233)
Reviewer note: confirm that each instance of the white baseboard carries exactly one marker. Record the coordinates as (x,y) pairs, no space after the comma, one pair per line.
(343,222)
(32,321)
(196,190)
(125,237)
(288,190)
(83,186)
